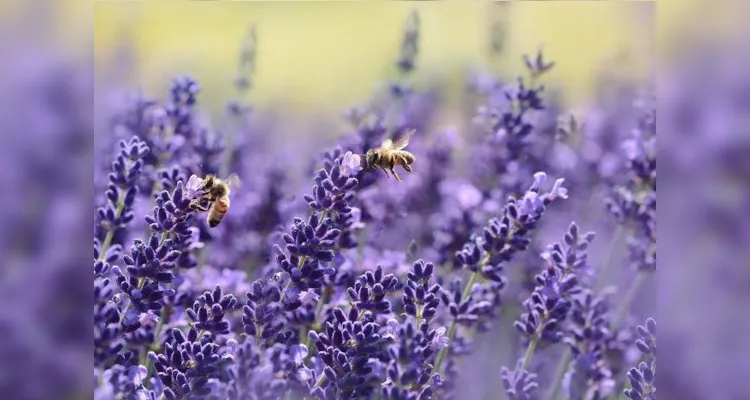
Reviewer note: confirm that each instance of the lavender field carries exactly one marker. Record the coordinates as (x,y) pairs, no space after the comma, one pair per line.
(516,261)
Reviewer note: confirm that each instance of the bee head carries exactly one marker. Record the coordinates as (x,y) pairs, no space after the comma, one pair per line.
(209,182)
(372,158)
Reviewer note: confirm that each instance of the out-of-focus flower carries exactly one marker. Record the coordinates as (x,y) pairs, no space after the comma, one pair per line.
(468,196)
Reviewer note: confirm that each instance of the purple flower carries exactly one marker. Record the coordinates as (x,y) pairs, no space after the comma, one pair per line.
(262,316)
(391,328)
(298,353)
(351,164)
(370,290)
(539,179)
(148,319)
(531,203)
(519,384)
(137,374)
(537,65)
(558,191)
(193,187)
(420,297)
(209,310)
(346,347)
(187,364)
(440,340)
(643,379)
(232,346)
(121,192)
(589,375)
(308,297)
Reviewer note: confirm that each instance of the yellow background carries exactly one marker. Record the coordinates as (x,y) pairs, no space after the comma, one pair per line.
(324,56)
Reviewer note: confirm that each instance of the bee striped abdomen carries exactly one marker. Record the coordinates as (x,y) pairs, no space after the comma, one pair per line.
(215,219)
(218,211)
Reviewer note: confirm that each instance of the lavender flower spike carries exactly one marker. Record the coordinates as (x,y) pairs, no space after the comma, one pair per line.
(643,379)
(487,254)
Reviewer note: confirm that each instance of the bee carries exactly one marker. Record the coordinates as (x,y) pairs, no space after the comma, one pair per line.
(216,193)
(190,364)
(390,154)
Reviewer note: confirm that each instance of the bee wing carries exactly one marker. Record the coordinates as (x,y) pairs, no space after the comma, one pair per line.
(403,141)
(234,180)
(387,144)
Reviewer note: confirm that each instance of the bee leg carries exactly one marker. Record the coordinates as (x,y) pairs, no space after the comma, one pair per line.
(395,174)
(386,171)
(196,206)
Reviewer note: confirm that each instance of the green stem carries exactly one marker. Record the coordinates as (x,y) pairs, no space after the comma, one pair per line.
(323,215)
(320,381)
(530,349)
(562,366)
(454,324)
(108,238)
(630,295)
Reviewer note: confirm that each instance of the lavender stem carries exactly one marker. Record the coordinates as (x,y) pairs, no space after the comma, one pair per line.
(454,324)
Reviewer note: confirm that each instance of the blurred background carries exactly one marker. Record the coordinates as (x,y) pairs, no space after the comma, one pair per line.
(317,58)
(314,60)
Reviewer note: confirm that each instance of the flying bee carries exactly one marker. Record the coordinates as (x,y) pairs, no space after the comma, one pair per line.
(390,154)
(216,193)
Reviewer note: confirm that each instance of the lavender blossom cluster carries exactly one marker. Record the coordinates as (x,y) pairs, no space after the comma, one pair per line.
(363,287)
